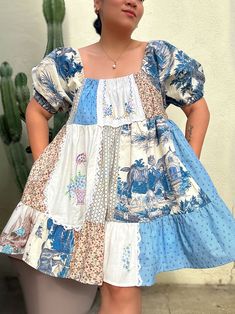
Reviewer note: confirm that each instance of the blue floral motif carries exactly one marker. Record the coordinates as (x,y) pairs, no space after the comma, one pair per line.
(46,80)
(126,129)
(77,188)
(20,232)
(51,79)
(149,62)
(126,257)
(8,249)
(186,70)
(108,110)
(129,107)
(65,63)
(128,104)
(150,123)
(156,134)
(181,77)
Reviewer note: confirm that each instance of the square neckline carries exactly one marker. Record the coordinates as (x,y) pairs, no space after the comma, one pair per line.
(117,77)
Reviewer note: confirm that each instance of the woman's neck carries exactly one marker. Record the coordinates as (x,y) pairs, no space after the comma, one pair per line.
(115,41)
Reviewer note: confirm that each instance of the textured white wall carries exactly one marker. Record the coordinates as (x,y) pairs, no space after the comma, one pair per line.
(203,29)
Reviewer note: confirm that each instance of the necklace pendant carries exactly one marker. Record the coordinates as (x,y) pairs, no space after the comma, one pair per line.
(114,65)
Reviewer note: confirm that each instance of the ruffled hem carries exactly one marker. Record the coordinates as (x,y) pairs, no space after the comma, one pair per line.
(203,238)
(133,253)
(53,249)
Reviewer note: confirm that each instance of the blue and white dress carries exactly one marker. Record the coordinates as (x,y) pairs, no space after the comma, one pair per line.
(119,195)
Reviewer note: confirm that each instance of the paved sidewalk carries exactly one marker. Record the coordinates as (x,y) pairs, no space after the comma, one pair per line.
(159,299)
(186,299)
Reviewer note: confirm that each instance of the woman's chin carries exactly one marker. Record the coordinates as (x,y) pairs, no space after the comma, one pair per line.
(126,26)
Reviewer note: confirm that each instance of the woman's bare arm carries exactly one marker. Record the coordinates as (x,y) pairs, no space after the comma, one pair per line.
(37,127)
(198,117)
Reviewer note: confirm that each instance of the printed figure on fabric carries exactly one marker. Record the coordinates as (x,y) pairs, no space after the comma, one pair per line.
(158,186)
(56,252)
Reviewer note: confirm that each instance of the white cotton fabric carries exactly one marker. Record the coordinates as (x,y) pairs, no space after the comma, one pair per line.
(121,254)
(116,93)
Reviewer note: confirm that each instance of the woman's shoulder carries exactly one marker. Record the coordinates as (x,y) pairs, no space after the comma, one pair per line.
(66,60)
(90,47)
(62,55)
(161,45)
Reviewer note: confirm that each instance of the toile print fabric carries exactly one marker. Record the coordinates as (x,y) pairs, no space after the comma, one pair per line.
(119,195)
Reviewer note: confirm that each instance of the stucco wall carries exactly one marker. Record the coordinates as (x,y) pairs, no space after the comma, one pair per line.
(203,29)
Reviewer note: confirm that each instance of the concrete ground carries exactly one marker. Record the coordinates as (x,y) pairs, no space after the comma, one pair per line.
(159,299)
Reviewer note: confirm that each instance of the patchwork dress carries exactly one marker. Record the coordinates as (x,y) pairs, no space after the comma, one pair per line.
(119,195)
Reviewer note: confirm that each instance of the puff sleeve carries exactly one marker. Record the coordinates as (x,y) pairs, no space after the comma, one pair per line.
(50,82)
(181,76)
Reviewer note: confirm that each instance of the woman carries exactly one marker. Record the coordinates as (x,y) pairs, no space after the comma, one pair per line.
(120,194)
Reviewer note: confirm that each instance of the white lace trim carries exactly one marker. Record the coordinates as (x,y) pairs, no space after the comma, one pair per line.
(140,281)
(28,210)
(90,197)
(75,102)
(65,226)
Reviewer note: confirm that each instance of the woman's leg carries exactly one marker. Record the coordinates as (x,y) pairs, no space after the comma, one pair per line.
(45,294)
(116,300)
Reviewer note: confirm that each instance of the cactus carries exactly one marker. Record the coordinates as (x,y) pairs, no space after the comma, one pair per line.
(54,13)
(4,133)
(14,100)
(22,93)
(9,103)
(15,97)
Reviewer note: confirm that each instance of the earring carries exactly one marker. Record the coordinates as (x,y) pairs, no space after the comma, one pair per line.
(97,11)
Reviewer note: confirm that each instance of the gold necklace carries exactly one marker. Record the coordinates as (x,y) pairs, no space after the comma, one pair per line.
(114,66)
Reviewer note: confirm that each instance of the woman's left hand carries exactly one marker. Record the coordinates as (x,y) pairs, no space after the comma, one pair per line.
(198,117)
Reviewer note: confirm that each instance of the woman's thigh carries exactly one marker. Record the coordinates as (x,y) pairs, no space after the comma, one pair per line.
(45,294)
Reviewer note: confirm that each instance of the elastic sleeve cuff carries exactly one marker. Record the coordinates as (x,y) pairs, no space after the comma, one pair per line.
(43,102)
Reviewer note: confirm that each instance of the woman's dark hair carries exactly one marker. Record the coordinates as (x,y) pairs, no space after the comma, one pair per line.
(98,25)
